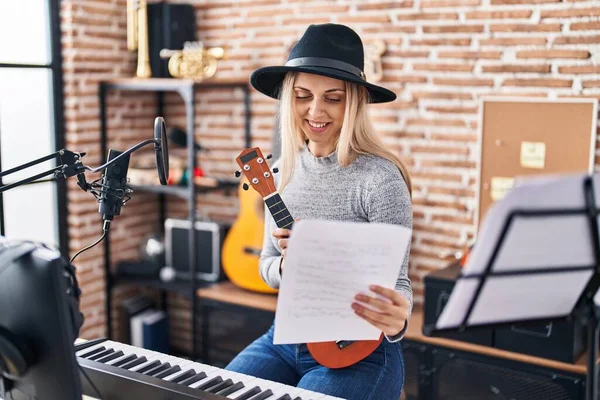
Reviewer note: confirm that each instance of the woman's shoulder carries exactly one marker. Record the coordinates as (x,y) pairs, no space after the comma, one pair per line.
(377,167)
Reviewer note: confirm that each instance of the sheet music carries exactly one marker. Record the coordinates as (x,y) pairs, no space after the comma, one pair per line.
(327,264)
(530,243)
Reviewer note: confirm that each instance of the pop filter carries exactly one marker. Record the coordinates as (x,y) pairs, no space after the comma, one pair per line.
(162,150)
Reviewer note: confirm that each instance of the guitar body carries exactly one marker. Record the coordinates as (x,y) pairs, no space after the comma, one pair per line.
(329,354)
(243,243)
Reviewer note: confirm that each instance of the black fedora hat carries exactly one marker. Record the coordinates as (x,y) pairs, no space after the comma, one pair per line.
(331,50)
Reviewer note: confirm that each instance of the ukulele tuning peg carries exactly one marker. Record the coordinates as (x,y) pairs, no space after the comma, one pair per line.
(269,156)
(275,170)
(245,186)
(237,174)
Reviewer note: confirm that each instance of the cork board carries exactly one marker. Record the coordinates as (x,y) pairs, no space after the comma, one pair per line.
(519,137)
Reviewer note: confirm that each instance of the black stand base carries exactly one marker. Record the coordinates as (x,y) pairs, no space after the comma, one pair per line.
(591,383)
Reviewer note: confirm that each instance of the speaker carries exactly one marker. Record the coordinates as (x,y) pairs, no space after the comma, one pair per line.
(209,241)
(562,341)
(459,376)
(438,287)
(169,27)
(415,368)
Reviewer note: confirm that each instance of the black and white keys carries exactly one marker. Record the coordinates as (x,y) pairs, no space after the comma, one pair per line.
(201,377)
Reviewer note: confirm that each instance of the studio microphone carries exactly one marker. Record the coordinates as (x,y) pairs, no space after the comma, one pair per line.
(114,191)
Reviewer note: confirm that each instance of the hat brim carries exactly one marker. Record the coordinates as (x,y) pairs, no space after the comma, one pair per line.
(267,80)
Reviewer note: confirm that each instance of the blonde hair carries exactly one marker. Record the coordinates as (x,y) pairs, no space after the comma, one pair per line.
(357,135)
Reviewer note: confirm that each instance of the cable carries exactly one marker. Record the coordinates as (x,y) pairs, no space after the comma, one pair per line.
(90,382)
(104,231)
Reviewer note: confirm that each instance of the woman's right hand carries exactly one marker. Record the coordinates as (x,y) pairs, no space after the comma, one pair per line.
(282,235)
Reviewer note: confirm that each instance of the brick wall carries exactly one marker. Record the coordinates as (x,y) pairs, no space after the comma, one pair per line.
(442,56)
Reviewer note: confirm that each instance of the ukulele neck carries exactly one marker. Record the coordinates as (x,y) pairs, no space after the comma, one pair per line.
(279,211)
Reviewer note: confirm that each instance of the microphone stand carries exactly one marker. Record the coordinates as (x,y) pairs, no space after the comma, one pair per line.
(71,165)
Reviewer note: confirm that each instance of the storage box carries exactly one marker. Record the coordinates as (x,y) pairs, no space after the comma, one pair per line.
(209,239)
(438,286)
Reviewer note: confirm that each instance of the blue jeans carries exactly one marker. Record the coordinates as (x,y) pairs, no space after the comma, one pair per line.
(380,376)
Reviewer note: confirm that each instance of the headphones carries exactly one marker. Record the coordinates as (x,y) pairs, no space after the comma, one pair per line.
(15,355)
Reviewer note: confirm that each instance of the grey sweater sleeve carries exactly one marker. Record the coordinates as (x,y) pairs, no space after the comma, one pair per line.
(270,256)
(388,201)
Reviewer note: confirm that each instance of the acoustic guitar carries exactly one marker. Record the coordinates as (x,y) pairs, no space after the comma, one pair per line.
(336,354)
(243,243)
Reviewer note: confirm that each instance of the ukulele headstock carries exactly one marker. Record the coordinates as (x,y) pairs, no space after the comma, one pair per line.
(255,168)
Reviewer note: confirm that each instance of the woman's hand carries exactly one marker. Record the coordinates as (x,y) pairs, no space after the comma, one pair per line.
(282,236)
(389,316)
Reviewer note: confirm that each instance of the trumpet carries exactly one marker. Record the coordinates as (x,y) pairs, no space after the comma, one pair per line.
(193,62)
(137,35)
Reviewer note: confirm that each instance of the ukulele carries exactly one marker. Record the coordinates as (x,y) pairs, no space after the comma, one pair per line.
(243,243)
(336,354)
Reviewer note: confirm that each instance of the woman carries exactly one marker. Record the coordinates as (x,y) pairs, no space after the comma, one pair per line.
(333,167)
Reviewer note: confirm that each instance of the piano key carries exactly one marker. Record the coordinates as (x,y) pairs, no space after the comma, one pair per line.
(276,389)
(281,392)
(231,389)
(216,372)
(105,359)
(174,369)
(90,350)
(210,383)
(247,395)
(182,377)
(134,363)
(100,354)
(193,379)
(223,385)
(88,344)
(150,359)
(234,376)
(152,364)
(246,380)
(265,394)
(184,366)
(295,393)
(117,362)
(154,371)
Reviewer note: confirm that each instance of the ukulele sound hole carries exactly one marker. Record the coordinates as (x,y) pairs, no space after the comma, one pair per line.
(341,344)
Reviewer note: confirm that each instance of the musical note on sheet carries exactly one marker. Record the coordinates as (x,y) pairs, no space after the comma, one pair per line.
(327,264)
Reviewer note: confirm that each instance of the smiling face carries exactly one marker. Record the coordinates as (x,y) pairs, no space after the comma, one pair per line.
(319,104)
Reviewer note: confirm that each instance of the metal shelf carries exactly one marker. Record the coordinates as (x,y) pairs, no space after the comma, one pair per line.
(177,286)
(185,88)
(184,191)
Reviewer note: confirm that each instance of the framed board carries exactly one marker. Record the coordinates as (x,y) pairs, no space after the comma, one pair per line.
(520,136)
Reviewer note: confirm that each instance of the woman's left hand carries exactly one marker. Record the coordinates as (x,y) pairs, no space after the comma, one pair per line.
(390,316)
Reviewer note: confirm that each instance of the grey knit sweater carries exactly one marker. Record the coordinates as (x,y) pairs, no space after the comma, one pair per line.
(371,189)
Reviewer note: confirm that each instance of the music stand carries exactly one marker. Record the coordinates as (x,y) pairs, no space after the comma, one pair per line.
(536,259)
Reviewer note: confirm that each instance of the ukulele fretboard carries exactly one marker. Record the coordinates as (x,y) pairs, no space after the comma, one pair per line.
(279,211)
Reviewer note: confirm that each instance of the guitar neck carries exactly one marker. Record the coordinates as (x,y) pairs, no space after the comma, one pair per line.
(279,211)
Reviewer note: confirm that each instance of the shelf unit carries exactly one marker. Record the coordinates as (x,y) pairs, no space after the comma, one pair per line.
(186,89)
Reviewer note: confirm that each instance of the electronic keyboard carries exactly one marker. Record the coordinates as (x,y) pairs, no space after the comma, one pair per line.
(121,371)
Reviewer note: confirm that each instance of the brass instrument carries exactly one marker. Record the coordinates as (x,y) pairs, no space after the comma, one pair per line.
(137,35)
(193,62)
(374,49)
